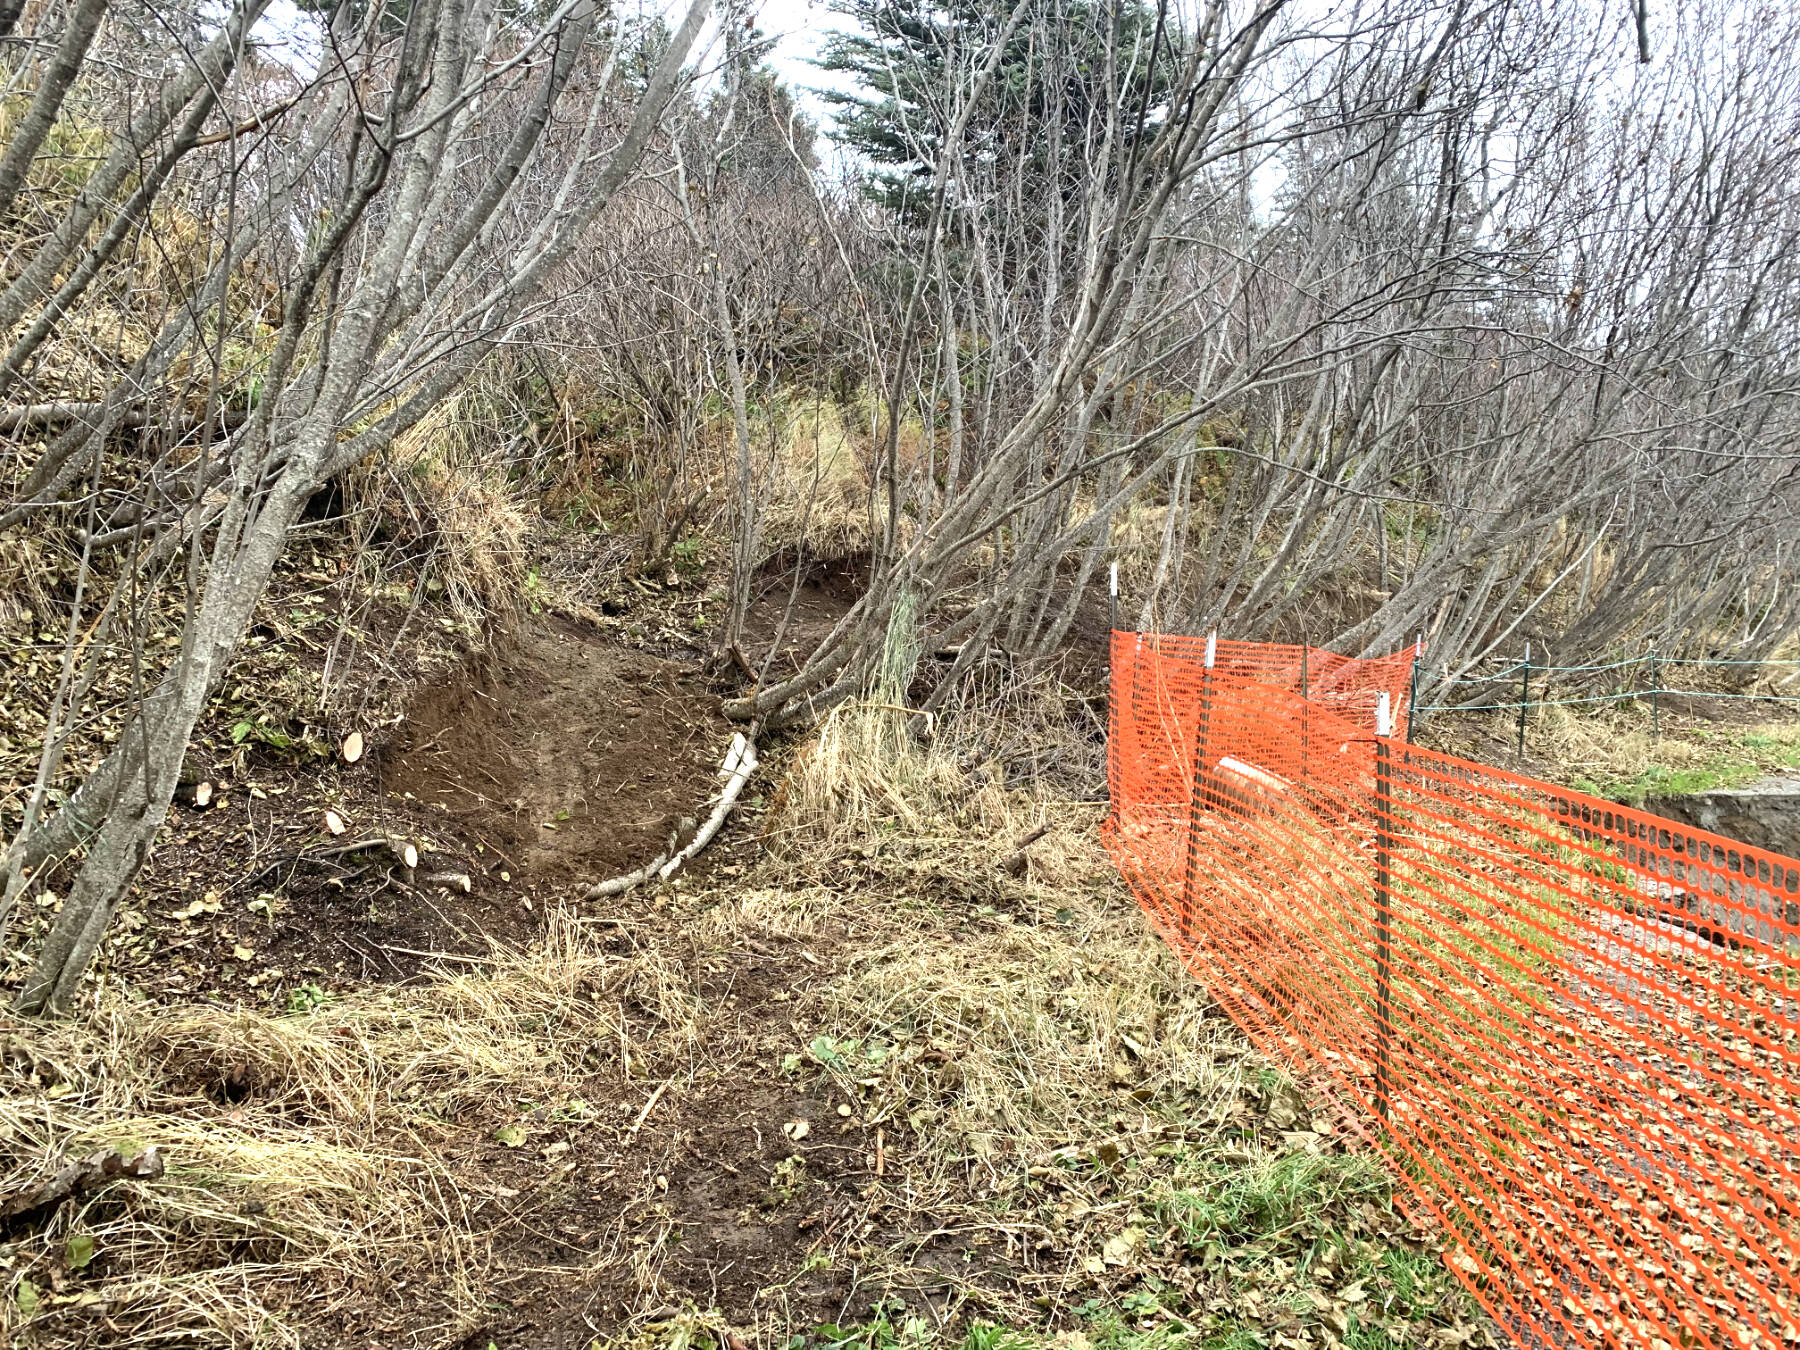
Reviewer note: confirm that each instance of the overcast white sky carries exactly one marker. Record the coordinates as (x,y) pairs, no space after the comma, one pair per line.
(799,27)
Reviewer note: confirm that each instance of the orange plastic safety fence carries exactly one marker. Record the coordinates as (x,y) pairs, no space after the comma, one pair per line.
(1572,1029)
(1347,685)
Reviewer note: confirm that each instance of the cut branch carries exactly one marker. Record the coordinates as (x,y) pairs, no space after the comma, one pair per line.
(740,763)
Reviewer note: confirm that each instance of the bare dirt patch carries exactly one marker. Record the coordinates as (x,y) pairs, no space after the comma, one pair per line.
(559,758)
(570,758)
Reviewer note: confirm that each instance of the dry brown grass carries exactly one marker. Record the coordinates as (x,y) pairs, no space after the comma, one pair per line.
(1077,1122)
(444,486)
(860,773)
(1617,752)
(324,1182)
(818,485)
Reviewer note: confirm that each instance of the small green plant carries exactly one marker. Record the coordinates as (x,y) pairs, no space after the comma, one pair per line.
(1357,1336)
(1269,1082)
(1297,1189)
(262,733)
(985,1336)
(848,1060)
(878,1333)
(786,1181)
(536,593)
(79,1250)
(1412,1277)
(1109,1330)
(306,998)
(582,511)
(572,1109)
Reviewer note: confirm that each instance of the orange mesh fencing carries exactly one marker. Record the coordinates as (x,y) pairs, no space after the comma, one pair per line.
(1569,1028)
(1347,685)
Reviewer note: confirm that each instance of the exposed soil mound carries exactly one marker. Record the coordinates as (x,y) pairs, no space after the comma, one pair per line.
(794,615)
(570,757)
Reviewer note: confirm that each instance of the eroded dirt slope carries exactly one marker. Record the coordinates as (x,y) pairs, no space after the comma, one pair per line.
(562,757)
(570,757)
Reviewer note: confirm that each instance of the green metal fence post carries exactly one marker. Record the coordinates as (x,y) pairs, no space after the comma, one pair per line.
(1524,697)
(1655,696)
(1412,695)
(1185,920)
(1305,704)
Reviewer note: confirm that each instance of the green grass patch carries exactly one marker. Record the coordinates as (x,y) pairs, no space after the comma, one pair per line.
(1725,760)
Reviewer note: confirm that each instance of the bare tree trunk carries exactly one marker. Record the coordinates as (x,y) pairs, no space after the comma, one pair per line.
(65,63)
(371,330)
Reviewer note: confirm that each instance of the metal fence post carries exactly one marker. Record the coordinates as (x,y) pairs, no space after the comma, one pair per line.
(1112,600)
(1412,694)
(1524,697)
(1655,696)
(1185,920)
(1305,705)
(1384,1031)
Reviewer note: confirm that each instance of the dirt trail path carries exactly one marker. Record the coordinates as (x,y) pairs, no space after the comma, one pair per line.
(570,757)
(561,758)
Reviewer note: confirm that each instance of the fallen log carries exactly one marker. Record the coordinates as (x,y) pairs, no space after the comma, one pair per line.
(43,416)
(37,416)
(145,1164)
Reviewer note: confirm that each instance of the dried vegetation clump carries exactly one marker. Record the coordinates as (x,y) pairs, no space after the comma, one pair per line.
(307,1156)
(818,482)
(1091,1150)
(443,494)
